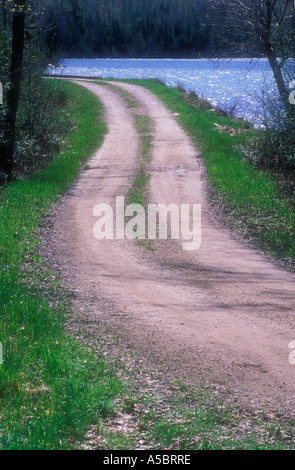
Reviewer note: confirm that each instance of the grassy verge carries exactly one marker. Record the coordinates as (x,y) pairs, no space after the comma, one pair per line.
(51,387)
(250,199)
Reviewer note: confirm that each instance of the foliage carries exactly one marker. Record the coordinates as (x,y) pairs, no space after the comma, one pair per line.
(41,129)
(38,133)
(274,147)
(136,28)
(268,28)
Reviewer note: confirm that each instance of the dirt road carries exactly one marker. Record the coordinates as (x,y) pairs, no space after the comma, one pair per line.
(223,314)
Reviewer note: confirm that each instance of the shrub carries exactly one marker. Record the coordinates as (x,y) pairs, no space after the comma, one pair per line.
(39,133)
(275,146)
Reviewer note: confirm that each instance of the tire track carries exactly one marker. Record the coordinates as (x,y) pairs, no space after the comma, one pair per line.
(223,314)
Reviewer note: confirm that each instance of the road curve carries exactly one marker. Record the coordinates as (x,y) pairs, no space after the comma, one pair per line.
(223,314)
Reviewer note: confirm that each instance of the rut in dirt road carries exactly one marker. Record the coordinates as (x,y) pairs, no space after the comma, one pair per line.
(222,314)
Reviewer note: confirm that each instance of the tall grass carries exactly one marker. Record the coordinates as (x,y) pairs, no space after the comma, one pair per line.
(51,387)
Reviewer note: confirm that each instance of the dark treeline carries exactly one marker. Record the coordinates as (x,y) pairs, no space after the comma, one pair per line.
(132,28)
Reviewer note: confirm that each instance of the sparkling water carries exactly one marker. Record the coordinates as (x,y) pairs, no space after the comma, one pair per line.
(225,83)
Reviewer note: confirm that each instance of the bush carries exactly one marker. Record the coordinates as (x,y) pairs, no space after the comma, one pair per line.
(197,102)
(39,133)
(274,147)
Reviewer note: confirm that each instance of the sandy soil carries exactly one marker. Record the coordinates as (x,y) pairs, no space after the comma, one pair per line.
(223,314)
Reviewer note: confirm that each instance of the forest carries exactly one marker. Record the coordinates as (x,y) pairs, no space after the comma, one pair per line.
(138,28)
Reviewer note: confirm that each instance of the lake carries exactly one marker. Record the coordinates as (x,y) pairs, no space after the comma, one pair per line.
(223,82)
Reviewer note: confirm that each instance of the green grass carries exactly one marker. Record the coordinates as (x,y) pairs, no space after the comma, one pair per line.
(138,191)
(249,198)
(143,124)
(174,416)
(51,387)
(195,423)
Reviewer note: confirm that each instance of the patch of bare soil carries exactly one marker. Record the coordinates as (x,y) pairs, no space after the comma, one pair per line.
(222,315)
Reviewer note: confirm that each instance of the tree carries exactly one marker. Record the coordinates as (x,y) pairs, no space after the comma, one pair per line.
(12,97)
(267,28)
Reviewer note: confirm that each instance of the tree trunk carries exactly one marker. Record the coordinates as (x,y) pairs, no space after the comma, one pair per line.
(12,98)
(283,91)
(273,61)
